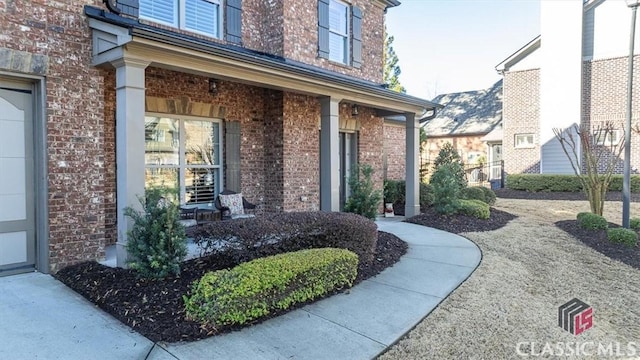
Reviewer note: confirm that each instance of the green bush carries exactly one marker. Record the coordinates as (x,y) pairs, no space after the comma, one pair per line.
(591,221)
(426,195)
(489,195)
(364,200)
(448,155)
(634,223)
(624,236)
(263,286)
(568,183)
(446,188)
(248,239)
(157,242)
(473,193)
(476,208)
(394,191)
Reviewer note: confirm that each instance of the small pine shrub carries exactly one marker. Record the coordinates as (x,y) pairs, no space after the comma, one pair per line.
(624,236)
(446,188)
(394,191)
(591,221)
(476,208)
(489,195)
(426,195)
(157,242)
(364,200)
(473,193)
(448,155)
(634,223)
(267,285)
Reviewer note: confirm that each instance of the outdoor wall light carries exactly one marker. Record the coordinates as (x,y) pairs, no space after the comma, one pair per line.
(213,86)
(354,108)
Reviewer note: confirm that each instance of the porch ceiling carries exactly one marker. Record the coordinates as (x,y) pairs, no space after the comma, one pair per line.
(117,38)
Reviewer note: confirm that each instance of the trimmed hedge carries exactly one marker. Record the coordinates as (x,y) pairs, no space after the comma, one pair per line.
(591,221)
(252,238)
(263,286)
(473,193)
(489,195)
(624,236)
(634,223)
(475,208)
(565,183)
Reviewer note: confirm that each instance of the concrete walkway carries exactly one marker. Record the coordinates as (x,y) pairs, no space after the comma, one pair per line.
(41,318)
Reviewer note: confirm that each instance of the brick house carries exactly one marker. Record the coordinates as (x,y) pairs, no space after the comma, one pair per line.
(465,121)
(575,72)
(276,99)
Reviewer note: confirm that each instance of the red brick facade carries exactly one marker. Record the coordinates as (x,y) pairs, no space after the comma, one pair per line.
(394,151)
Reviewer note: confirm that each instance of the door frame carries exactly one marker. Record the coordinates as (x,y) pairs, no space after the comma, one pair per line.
(40,171)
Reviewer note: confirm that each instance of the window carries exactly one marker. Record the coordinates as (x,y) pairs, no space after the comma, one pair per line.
(524,141)
(607,137)
(338,32)
(187,157)
(201,16)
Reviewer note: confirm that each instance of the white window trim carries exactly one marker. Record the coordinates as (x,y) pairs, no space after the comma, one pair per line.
(179,13)
(182,165)
(527,145)
(618,134)
(346,36)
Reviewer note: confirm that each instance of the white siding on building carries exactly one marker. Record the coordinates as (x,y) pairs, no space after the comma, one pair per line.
(606,30)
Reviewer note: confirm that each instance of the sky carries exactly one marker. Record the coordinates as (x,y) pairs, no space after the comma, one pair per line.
(447,46)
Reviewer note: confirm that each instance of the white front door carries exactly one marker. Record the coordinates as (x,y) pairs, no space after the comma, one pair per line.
(17,218)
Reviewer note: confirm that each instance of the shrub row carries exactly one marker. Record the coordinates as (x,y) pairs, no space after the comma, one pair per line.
(624,236)
(248,239)
(628,237)
(395,193)
(258,288)
(554,183)
(592,221)
(481,193)
(476,208)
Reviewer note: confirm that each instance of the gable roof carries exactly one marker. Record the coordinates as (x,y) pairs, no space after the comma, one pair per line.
(523,52)
(467,113)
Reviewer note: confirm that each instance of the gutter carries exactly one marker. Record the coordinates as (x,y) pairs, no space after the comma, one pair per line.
(251,57)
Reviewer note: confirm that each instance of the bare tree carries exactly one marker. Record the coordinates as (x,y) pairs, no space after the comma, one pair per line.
(600,154)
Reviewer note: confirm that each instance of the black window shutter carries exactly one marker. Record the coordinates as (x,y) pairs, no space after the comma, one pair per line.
(233,32)
(356,40)
(232,156)
(323,28)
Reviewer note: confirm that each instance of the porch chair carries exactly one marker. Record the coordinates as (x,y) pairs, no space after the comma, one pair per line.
(188,216)
(233,205)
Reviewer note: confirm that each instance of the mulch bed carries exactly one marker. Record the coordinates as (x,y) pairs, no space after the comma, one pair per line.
(462,223)
(155,308)
(597,240)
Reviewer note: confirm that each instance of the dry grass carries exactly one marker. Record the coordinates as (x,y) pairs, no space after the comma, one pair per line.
(529,268)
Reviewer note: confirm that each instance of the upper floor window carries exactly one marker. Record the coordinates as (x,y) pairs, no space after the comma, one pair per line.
(340,32)
(200,16)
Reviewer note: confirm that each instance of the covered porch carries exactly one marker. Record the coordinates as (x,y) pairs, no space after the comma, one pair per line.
(283,118)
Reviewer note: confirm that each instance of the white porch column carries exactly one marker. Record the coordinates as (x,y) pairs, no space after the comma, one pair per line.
(329,160)
(130,107)
(412,202)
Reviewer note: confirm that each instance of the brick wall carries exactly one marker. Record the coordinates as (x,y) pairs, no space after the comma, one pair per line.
(521,115)
(301,38)
(394,150)
(301,160)
(370,144)
(604,99)
(53,39)
(262,26)
(464,144)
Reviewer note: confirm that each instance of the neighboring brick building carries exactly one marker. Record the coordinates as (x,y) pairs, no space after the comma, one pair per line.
(465,121)
(256,96)
(574,73)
